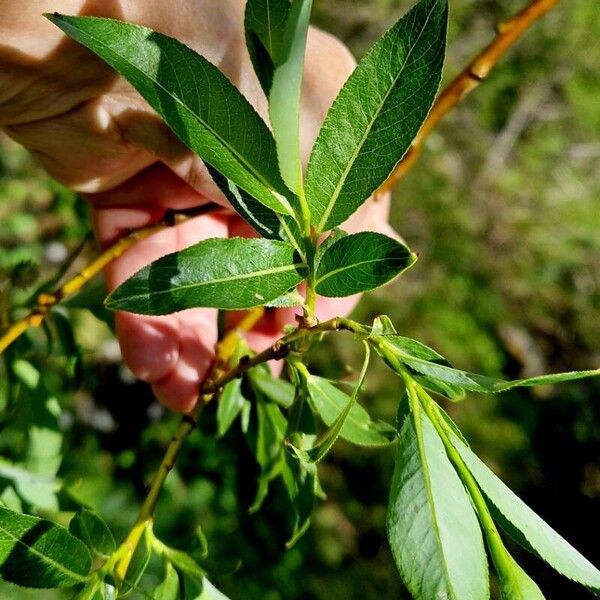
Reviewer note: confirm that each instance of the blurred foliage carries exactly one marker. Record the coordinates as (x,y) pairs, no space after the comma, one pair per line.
(502,208)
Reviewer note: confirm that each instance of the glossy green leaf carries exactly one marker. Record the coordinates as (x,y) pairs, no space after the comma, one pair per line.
(202,107)
(93,532)
(168,589)
(432,528)
(231,273)
(376,115)
(229,406)
(287,300)
(358,427)
(428,362)
(260,217)
(264,25)
(526,527)
(361,262)
(38,553)
(284,96)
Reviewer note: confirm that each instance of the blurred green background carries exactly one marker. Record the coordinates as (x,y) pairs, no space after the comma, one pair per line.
(503,208)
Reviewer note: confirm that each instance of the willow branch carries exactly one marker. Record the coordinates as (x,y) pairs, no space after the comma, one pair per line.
(220,375)
(47,300)
(508,32)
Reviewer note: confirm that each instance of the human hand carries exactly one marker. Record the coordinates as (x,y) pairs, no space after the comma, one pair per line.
(94,133)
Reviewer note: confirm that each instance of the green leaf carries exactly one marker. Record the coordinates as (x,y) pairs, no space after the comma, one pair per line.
(275,389)
(301,483)
(168,589)
(202,107)
(284,96)
(139,563)
(432,528)
(326,442)
(376,115)
(514,583)
(266,443)
(229,406)
(287,300)
(428,362)
(358,427)
(93,532)
(210,592)
(264,220)
(264,25)
(526,527)
(361,262)
(183,562)
(37,553)
(231,273)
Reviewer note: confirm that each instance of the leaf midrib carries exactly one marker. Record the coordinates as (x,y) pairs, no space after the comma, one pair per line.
(43,557)
(331,403)
(416,416)
(359,146)
(283,269)
(347,268)
(224,142)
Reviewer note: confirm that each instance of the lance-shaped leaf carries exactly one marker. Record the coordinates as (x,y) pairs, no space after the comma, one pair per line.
(232,273)
(358,427)
(168,588)
(37,553)
(376,115)
(361,262)
(526,527)
(432,528)
(264,25)
(276,390)
(428,362)
(514,582)
(230,404)
(327,440)
(257,215)
(284,97)
(93,532)
(265,221)
(202,107)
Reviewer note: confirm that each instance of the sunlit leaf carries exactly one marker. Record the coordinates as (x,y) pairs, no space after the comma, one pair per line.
(361,262)
(376,115)
(358,427)
(232,273)
(38,553)
(264,25)
(93,532)
(526,527)
(284,95)
(202,107)
(432,527)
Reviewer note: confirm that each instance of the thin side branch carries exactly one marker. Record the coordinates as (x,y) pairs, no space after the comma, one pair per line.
(508,32)
(46,301)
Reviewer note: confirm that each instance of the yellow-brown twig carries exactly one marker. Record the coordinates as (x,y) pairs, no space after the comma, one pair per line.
(46,301)
(508,32)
